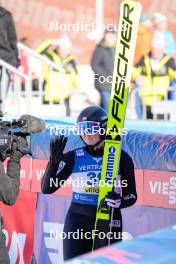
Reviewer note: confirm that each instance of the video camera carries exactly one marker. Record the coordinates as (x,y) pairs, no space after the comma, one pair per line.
(11,131)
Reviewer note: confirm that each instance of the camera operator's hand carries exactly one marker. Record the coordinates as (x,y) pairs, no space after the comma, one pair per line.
(3,152)
(57,146)
(20,147)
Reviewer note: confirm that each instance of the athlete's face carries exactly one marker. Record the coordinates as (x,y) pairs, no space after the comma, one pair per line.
(91,140)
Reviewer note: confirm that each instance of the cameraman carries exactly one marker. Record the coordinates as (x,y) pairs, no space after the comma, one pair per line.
(10,182)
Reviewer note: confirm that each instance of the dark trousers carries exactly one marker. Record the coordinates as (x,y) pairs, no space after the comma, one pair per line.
(4,257)
(80,220)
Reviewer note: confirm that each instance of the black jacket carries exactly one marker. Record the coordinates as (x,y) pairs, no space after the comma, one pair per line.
(129,195)
(10,181)
(8,38)
(9,190)
(102,64)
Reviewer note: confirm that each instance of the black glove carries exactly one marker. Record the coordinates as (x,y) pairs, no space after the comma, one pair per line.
(57,146)
(20,147)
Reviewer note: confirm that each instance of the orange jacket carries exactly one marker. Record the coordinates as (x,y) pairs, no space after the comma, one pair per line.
(143,44)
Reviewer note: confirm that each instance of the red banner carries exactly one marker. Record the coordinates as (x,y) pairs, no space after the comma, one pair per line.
(154,188)
(19,222)
(139,177)
(159,189)
(25,173)
(38,169)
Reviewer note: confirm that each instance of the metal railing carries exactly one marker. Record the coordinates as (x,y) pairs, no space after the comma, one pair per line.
(14,86)
(43,61)
(18,94)
(160,109)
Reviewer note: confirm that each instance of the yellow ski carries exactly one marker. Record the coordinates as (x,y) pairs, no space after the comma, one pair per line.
(125,48)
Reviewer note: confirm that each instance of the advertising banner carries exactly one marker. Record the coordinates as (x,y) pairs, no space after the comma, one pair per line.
(19,227)
(50,215)
(159,189)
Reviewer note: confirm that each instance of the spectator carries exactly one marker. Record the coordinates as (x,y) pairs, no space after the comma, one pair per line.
(8,39)
(174,55)
(10,183)
(161,26)
(24,60)
(29,65)
(8,46)
(102,64)
(24,63)
(172,92)
(153,75)
(63,84)
(144,39)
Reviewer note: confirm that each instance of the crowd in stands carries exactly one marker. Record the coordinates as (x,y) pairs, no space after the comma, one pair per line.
(154,71)
(66,81)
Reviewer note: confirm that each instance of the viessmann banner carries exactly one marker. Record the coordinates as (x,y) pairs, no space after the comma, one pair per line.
(159,189)
(154,188)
